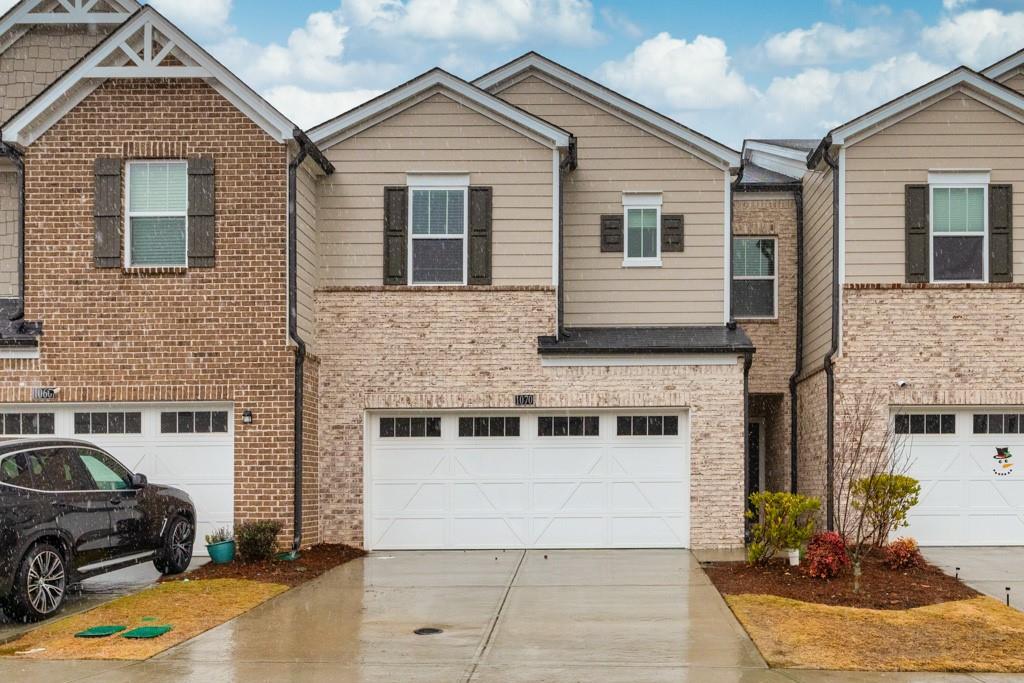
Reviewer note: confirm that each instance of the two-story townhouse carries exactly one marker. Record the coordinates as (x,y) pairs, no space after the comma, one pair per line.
(913,264)
(159,300)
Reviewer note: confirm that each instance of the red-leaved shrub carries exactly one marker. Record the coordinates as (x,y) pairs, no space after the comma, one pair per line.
(826,555)
(902,554)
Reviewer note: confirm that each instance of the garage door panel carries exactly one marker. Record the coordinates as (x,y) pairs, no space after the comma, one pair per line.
(941,494)
(994,529)
(490,497)
(527,490)
(930,459)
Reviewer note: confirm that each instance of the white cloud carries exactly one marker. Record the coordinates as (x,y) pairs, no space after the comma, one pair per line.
(976,38)
(486,21)
(679,74)
(205,16)
(823,43)
(951,5)
(620,22)
(308,108)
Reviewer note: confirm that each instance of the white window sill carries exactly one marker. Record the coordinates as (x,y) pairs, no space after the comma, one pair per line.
(641,263)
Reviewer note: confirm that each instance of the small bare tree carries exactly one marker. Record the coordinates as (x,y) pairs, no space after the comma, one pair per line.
(866,447)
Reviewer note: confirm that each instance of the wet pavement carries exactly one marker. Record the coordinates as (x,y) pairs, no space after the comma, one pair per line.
(506,617)
(986,570)
(94,592)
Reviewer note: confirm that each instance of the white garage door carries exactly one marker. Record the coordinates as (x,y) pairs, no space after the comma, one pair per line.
(581,480)
(188,446)
(971,467)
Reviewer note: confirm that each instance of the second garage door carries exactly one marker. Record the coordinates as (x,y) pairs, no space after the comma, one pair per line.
(525,480)
(971,467)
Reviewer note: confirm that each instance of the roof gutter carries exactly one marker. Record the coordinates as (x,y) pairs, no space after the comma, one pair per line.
(18,160)
(306,149)
(830,376)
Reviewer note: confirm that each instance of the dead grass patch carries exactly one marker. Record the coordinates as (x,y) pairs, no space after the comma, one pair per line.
(191,607)
(980,634)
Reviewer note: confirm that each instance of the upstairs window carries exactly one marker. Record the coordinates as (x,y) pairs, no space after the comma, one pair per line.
(157,214)
(959,227)
(643,229)
(437,250)
(754,282)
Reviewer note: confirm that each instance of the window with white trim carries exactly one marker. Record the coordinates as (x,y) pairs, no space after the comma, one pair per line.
(959,230)
(754,277)
(643,229)
(157,215)
(437,235)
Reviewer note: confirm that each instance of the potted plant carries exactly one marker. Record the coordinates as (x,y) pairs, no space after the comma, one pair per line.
(221,546)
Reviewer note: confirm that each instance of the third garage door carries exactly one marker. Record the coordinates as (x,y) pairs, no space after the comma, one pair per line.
(587,479)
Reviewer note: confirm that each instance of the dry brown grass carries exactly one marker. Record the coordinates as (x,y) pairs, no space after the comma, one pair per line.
(980,634)
(191,607)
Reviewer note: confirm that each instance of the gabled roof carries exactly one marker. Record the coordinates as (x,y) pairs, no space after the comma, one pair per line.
(1004,65)
(784,158)
(64,12)
(635,110)
(146,46)
(961,76)
(351,121)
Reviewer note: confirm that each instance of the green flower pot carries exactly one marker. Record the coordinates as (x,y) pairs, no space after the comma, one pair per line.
(221,553)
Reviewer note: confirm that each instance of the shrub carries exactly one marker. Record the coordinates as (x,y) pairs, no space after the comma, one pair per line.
(782,520)
(885,499)
(219,536)
(826,555)
(257,540)
(902,554)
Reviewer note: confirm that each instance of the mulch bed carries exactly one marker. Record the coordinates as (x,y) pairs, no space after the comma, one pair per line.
(880,587)
(312,562)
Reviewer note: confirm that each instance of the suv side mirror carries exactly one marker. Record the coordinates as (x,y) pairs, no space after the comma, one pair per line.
(139,481)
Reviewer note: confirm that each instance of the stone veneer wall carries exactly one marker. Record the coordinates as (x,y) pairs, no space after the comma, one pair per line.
(476,347)
(209,334)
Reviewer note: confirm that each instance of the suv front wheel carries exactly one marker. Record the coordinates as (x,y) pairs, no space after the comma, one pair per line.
(176,554)
(39,585)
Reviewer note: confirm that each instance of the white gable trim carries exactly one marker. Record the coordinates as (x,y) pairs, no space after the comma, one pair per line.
(723,154)
(34,12)
(349,123)
(82,79)
(960,76)
(785,160)
(1004,66)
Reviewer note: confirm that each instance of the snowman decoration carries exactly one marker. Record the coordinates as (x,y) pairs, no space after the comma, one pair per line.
(1004,467)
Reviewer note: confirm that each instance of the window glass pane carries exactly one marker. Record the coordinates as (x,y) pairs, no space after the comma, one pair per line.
(12,423)
(639,426)
(108,475)
(958,258)
(480,426)
(949,424)
(55,470)
(1010,424)
(995,424)
(642,233)
(511,426)
(753,257)
(185,423)
(203,423)
(433,426)
(402,427)
(575,426)
(158,241)
(437,261)
(46,423)
(438,212)
(387,427)
(917,424)
(940,209)
(958,209)
(418,427)
(30,423)
(624,425)
(654,425)
(902,424)
(465,426)
(545,426)
(168,423)
(115,423)
(159,187)
(981,424)
(561,426)
(497,426)
(671,425)
(99,423)
(219,421)
(14,471)
(591,426)
(753,298)
(931,424)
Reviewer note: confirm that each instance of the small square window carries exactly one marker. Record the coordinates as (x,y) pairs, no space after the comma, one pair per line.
(545,426)
(931,424)
(418,427)
(575,426)
(203,423)
(655,425)
(481,426)
(624,425)
(403,427)
(387,427)
(46,423)
(949,424)
(12,423)
(917,424)
(511,426)
(465,426)
(671,425)
(1010,424)
(219,422)
(83,422)
(981,424)
(592,426)
(186,423)
(99,423)
(30,423)
(115,423)
(902,424)
(995,424)
(433,427)
(561,426)
(639,426)
(497,426)
(168,423)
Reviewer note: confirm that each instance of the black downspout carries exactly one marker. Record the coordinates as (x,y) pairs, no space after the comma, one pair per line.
(798,366)
(567,165)
(748,360)
(300,345)
(15,156)
(830,427)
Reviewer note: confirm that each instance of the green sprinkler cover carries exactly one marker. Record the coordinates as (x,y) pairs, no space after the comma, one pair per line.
(100,631)
(147,632)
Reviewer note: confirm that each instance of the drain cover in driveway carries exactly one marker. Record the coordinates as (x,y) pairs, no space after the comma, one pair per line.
(100,631)
(428,631)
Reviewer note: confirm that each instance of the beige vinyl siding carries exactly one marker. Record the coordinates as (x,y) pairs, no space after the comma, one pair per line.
(957,132)
(38,58)
(307,252)
(437,134)
(818,266)
(617,156)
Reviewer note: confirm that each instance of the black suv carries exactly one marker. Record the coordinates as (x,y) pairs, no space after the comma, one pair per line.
(68,511)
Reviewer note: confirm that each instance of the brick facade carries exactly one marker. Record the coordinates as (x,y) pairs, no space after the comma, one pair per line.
(451,348)
(169,334)
(772,215)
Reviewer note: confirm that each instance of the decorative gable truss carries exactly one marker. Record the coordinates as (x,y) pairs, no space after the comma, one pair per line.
(28,13)
(146,46)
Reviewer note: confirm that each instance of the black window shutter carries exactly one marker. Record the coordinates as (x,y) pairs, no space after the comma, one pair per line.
(107,213)
(202,239)
(916,221)
(396,220)
(671,233)
(480,219)
(611,233)
(1000,233)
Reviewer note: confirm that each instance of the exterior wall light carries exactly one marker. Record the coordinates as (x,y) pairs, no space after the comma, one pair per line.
(247,417)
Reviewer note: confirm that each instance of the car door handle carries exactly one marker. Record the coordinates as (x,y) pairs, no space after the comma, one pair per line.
(116,502)
(60,506)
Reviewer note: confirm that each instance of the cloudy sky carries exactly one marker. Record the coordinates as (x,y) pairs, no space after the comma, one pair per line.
(729,68)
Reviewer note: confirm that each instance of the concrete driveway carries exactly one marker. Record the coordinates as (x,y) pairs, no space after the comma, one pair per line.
(507,617)
(986,570)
